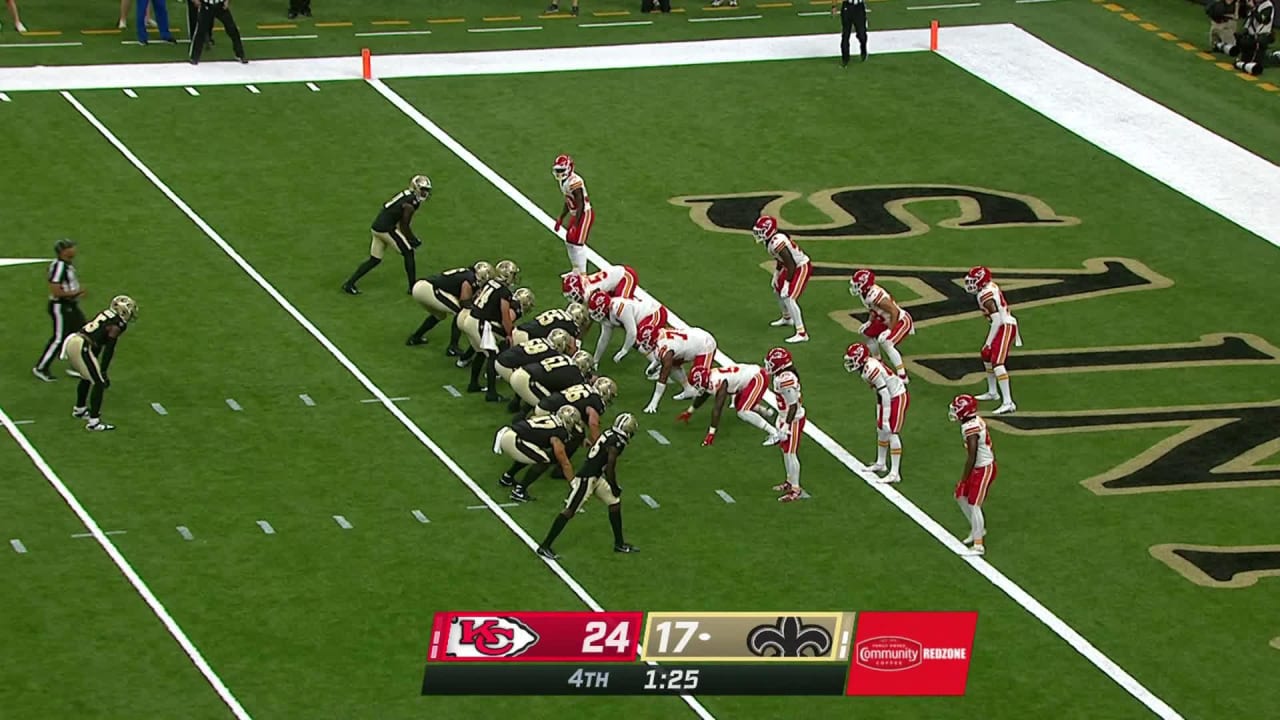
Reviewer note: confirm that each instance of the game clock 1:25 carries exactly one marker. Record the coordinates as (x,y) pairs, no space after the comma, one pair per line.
(664,679)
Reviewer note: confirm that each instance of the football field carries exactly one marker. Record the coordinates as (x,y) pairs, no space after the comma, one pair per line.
(297,491)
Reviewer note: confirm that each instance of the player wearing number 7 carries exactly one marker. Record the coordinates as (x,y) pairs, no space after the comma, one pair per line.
(598,476)
(746,383)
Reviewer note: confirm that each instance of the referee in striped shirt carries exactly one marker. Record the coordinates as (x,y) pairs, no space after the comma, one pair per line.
(64,306)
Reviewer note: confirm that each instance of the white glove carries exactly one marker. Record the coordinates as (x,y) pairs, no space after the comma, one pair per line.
(883,337)
(862,329)
(785,287)
(621,354)
(651,408)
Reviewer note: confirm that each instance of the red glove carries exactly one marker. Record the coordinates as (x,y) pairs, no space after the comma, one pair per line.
(558,221)
(709,439)
(684,416)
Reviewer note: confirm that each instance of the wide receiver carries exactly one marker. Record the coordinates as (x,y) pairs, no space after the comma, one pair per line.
(445,294)
(598,476)
(790,274)
(979,469)
(578,207)
(616,280)
(746,383)
(391,229)
(89,351)
(628,313)
(888,324)
(1002,334)
(671,349)
(790,423)
(892,400)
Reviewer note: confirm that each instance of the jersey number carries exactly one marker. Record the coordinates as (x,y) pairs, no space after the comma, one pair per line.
(550,317)
(557,362)
(577,393)
(543,422)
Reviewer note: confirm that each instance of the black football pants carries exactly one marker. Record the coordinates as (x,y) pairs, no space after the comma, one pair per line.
(853,19)
(204,29)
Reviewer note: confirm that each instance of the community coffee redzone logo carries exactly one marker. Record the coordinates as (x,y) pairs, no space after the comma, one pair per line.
(912,653)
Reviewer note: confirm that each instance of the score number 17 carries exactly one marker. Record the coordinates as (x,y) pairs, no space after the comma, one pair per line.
(689,627)
(600,639)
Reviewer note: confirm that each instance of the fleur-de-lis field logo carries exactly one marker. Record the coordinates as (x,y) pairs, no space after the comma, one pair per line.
(789,637)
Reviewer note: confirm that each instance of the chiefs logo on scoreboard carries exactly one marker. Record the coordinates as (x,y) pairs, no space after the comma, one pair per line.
(488,636)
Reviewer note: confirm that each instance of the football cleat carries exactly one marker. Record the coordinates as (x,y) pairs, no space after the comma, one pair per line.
(43,375)
(988,396)
(978,550)
(625,548)
(777,360)
(765,228)
(415,340)
(519,494)
(773,439)
(791,495)
(546,551)
(80,412)
(855,357)
(350,288)
(99,426)
(968,539)
(1005,409)
(963,407)
(798,338)
(890,479)
(782,322)
(861,282)
(977,278)
(783,486)
(494,398)
(877,468)
(507,479)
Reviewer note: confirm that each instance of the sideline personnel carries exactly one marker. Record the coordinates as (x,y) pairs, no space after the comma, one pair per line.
(64,307)
(209,10)
(853,18)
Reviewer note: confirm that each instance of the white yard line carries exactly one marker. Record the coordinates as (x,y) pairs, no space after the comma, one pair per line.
(130,574)
(900,501)
(351,367)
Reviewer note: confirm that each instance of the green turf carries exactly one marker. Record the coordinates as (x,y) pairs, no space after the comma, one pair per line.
(320,622)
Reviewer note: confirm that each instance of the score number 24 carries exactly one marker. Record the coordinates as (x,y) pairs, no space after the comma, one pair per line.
(600,640)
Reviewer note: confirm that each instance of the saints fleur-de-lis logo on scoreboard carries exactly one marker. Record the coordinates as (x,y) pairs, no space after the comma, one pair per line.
(789,637)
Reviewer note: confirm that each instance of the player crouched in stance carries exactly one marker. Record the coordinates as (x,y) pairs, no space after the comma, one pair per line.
(630,314)
(391,229)
(790,274)
(888,324)
(590,399)
(447,294)
(671,349)
(89,350)
(533,350)
(892,400)
(790,423)
(598,476)
(571,319)
(535,381)
(613,280)
(538,441)
(979,469)
(746,383)
(1003,334)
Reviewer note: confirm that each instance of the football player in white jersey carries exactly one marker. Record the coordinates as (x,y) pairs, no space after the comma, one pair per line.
(1000,337)
(578,207)
(790,275)
(615,280)
(673,348)
(979,469)
(746,383)
(892,400)
(790,422)
(888,324)
(628,313)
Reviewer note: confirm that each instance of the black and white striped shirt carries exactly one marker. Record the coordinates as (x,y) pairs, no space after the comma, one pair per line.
(64,275)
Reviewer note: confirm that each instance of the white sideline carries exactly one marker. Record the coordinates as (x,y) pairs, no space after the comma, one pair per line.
(130,574)
(386,401)
(925,521)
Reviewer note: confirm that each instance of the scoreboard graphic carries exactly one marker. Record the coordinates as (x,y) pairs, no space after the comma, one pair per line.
(712,653)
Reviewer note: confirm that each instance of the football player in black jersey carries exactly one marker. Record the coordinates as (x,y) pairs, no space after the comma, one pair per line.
(539,440)
(590,399)
(598,476)
(447,294)
(488,324)
(531,351)
(90,351)
(391,230)
(505,273)
(535,381)
(572,319)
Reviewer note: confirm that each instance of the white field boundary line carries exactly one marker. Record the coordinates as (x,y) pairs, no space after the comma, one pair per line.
(931,526)
(123,565)
(386,401)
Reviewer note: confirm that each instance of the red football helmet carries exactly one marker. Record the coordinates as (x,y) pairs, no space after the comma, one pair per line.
(855,358)
(700,378)
(963,407)
(573,287)
(765,228)
(562,167)
(777,360)
(647,338)
(861,282)
(598,305)
(976,279)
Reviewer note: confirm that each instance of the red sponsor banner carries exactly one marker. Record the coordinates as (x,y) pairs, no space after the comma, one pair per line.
(911,653)
(535,636)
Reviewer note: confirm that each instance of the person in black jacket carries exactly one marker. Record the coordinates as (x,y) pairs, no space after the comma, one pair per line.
(299,7)
(221,11)
(853,19)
